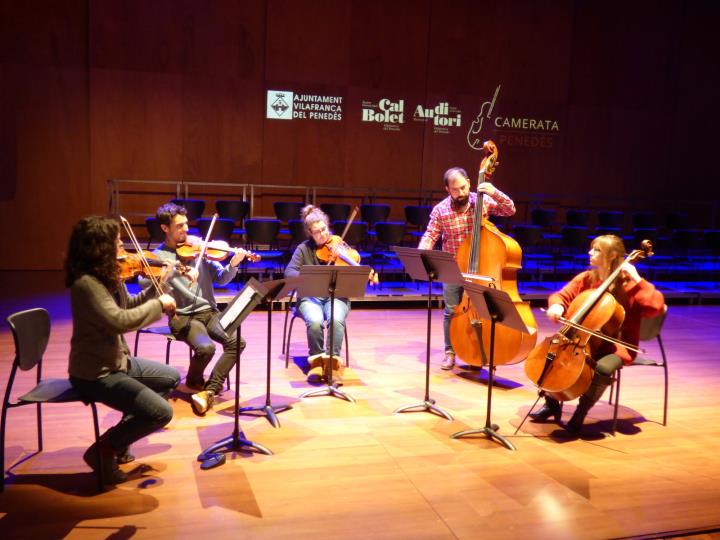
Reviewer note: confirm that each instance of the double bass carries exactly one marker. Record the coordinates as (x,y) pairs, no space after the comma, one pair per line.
(491,258)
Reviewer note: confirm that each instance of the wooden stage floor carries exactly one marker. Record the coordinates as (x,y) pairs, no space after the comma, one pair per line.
(356,470)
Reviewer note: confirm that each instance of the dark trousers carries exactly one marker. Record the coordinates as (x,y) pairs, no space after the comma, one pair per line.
(200,331)
(139,394)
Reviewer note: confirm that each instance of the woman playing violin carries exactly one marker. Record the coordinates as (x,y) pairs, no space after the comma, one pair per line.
(315,311)
(100,366)
(198,322)
(637,296)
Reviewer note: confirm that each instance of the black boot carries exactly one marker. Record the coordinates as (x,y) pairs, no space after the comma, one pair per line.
(587,400)
(551,408)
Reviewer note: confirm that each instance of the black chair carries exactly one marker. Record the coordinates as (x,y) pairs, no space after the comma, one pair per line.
(676,220)
(372,213)
(287,331)
(649,329)
(644,220)
(712,241)
(417,216)
(155,233)
(530,239)
(222,230)
(296,228)
(356,234)
(236,210)
(261,237)
(388,233)
(194,207)
(31,332)
(336,211)
(543,217)
(286,210)
(577,218)
(574,246)
(610,223)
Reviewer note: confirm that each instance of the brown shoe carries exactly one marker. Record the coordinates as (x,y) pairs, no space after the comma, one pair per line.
(449,361)
(202,402)
(111,474)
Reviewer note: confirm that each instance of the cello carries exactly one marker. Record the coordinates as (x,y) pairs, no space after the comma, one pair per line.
(490,258)
(561,365)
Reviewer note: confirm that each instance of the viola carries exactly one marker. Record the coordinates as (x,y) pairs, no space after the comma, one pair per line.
(490,258)
(217,250)
(562,364)
(132,265)
(337,251)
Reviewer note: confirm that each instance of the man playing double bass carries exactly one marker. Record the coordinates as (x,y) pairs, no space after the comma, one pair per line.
(452,219)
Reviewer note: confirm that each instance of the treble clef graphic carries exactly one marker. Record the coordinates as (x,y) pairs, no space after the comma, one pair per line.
(473,139)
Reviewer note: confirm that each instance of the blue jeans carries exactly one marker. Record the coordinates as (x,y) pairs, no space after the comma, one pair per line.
(452,294)
(315,311)
(139,394)
(199,331)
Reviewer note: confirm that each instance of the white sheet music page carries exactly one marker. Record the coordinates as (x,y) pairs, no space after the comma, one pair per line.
(234,311)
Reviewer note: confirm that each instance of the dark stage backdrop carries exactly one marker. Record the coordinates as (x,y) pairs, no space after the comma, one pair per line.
(607,104)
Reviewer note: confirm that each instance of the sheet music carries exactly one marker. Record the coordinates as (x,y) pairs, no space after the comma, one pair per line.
(234,311)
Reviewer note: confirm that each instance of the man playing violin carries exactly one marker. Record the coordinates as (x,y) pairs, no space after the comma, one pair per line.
(452,219)
(198,321)
(637,296)
(316,311)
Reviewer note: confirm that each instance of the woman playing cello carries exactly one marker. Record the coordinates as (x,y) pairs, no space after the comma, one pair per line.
(638,297)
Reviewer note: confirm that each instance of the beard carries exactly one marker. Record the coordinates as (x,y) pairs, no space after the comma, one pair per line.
(460,202)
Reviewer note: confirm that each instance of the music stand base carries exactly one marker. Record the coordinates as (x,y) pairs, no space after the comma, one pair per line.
(234,443)
(328,390)
(490,432)
(425,406)
(269,411)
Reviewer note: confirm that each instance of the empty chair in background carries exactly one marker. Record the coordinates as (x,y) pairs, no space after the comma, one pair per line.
(644,220)
(388,234)
(193,207)
(537,259)
(577,218)
(236,210)
(155,233)
(545,218)
(287,210)
(676,220)
(610,222)
(417,217)
(262,238)
(336,211)
(222,229)
(372,213)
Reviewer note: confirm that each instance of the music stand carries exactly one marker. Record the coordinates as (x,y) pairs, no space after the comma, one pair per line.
(497,306)
(331,281)
(430,265)
(230,319)
(275,289)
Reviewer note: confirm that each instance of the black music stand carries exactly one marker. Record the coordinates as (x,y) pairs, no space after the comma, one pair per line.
(231,318)
(430,265)
(331,281)
(276,289)
(497,306)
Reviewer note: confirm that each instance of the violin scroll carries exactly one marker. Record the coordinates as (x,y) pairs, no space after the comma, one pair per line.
(489,162)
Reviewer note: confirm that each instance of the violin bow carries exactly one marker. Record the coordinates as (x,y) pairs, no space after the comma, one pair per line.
(205,241)
(141,255)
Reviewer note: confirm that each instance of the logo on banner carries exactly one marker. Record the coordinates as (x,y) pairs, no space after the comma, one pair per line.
(443,116)
(279,104)
(511,130)
(286,105)
(386,112)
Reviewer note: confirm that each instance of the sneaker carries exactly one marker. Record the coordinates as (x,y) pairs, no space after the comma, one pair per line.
(202,402)
(316,360)
(449,361)
(111,474)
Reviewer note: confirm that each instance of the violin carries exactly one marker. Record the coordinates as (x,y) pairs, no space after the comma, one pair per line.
(561,364)
(217,250)
(131,265)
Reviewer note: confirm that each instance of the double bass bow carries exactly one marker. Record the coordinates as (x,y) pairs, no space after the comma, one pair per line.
(561,365)
(490,258)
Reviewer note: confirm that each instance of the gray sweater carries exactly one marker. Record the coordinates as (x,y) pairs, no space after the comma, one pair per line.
(98,347)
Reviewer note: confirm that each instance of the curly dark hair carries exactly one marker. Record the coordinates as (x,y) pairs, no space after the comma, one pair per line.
(168,211)
(92,250)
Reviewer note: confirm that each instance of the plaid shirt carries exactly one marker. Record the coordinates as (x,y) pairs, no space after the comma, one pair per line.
(454,226)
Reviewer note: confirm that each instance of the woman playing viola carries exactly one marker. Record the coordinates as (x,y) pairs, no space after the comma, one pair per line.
(100,366)
(314,310)
(638,297)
